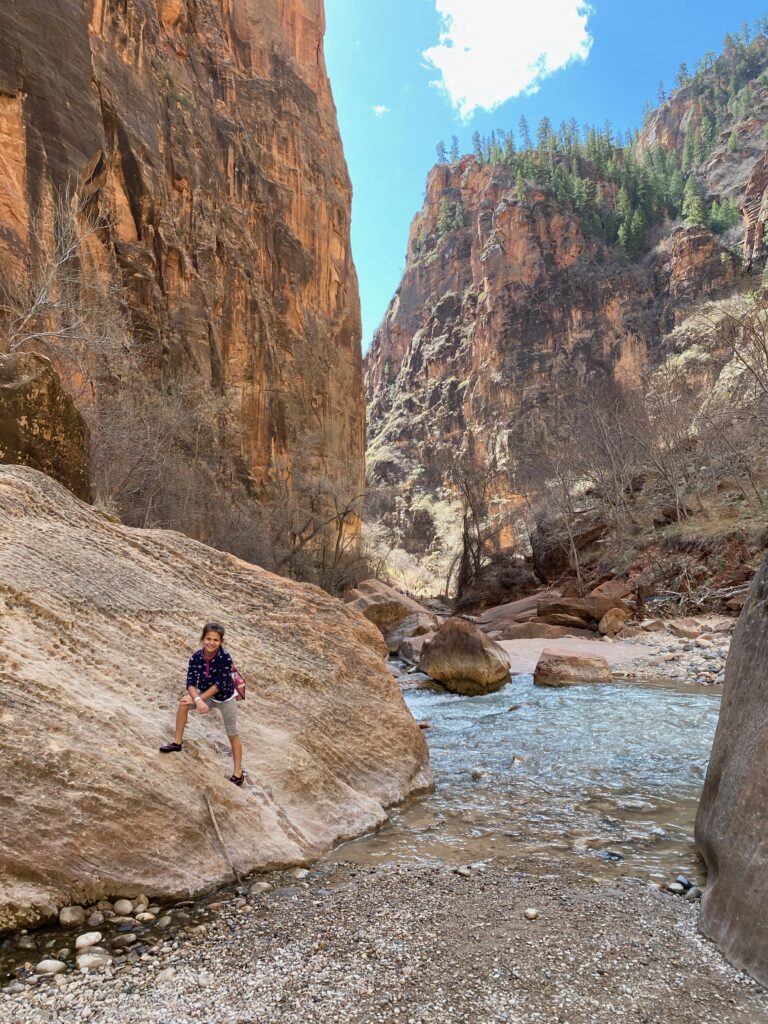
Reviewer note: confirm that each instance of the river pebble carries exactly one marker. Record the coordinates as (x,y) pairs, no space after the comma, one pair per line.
(87,939)
(69,917)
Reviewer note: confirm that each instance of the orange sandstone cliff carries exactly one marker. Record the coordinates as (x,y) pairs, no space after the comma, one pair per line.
(198,140)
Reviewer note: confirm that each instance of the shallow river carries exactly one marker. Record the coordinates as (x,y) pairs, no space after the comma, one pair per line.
(607,772)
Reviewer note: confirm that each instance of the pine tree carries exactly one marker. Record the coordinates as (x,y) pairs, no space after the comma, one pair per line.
(442,152)
(683,76)
(520,186)
(525,133)
(454,149)
(660,93)
(477,146)
(694,207)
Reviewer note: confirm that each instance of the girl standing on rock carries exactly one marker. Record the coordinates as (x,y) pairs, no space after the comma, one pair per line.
(210,686)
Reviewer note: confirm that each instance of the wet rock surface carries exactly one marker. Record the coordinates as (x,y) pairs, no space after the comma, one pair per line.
(424,944)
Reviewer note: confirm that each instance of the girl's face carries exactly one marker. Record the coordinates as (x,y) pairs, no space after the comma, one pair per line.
(211,642)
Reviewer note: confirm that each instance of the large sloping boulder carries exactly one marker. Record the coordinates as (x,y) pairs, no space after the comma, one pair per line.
(464,660)
(39,423)
(732,820)
(589,610)
(382,605)
(98,621)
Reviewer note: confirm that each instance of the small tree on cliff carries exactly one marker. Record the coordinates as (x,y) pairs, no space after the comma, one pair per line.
(454,149)
(442,152)
(694,206)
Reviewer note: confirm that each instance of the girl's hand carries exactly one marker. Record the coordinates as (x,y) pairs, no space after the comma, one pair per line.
(186,699)
(202,707)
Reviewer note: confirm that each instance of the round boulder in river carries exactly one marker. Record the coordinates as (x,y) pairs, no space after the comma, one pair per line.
(464,660)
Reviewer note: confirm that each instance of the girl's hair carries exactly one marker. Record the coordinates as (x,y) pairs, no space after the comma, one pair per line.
(212,627)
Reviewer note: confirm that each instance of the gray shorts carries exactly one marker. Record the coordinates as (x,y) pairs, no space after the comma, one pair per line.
(228,709)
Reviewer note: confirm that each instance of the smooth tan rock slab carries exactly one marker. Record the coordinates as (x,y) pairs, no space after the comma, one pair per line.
(553,669)
(464,660)
(382,605)
(732,820)
(98,621)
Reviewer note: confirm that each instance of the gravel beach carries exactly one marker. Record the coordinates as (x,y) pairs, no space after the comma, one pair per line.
(422,945)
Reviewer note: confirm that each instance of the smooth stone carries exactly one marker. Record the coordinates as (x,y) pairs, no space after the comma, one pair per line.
(163,922)
(92,961)
(260,888)
(127,939)
(71,916)
(299,873)
(123,907)
(463,871)
(694,893)
(530,913)
(682,880)
(95,919)
(154,909)
(26,942)
(50,967)
(87,939)
(103,905)
(676,888)
(145,917)
(15,988)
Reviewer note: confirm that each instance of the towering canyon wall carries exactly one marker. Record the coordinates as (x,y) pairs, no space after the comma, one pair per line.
(197,139)
(507,296)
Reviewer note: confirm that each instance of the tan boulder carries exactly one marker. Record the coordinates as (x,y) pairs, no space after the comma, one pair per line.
(613,621)
(40,426)
(560,619)
(591,609)
(732,820)
(507,614)
(653,625)
(382,605)
(567,669)
(612,588)
(685,629)
(464,660)
(98,622)
(413,625)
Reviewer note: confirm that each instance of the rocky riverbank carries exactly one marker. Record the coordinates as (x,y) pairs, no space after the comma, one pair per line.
(423,945)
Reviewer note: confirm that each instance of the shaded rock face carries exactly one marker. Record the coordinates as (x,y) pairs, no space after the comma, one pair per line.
(202,137)
(464,660)
(39,424)
(98,622)
(732,819)
(491,315)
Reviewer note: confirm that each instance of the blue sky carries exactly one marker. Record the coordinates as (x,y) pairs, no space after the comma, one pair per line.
(556,57)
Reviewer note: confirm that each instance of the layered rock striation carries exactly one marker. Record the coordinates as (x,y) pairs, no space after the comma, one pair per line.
(198,147)
(98,622)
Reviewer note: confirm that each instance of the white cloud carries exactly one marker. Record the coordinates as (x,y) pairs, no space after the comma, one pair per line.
(492,50)
(380,110)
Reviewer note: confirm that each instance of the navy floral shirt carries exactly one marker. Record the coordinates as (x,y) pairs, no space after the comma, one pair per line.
(202,673)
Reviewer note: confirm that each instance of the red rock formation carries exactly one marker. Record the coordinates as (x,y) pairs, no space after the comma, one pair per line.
(203,137)
(755,212)
(490,314)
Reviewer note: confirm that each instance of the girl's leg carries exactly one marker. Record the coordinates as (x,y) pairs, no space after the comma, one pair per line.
(181,722)
(237,754)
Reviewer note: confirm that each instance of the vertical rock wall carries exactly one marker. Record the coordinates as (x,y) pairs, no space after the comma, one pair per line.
(203,132)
